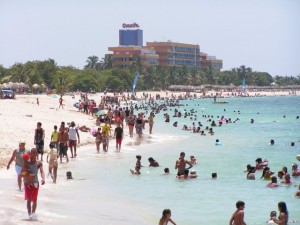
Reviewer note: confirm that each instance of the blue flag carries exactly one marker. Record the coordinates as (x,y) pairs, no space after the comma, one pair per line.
(135,82)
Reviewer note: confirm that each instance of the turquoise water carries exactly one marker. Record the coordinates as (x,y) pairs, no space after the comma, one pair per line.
(104,192)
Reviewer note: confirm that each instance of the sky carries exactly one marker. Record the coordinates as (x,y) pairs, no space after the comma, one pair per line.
(261,34)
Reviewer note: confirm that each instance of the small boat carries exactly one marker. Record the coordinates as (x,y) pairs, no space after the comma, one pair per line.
(220,102)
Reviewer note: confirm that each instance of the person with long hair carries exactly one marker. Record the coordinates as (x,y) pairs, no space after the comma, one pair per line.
(166,217)
(283,214)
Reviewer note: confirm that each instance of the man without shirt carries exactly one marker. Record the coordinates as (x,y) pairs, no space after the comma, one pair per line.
(181,164)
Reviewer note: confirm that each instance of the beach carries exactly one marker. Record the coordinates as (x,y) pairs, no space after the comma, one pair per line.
(19,118)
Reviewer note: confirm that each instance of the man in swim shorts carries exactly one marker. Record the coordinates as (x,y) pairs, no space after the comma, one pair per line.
(31,192)
(181,164)
(63,138)
(18,157)
(39,137)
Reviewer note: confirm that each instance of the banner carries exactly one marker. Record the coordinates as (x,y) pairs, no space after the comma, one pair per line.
(134,83)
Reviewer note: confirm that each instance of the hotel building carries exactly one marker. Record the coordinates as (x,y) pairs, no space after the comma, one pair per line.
(176,54)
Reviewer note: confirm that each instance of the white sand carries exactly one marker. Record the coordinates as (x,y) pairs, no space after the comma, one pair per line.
(19,117)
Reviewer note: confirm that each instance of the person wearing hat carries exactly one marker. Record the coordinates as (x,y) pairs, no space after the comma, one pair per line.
(18,157)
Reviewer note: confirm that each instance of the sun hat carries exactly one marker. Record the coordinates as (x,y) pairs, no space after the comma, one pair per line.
(22,141)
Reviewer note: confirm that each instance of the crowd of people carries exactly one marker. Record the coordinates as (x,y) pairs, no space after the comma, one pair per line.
(65,139)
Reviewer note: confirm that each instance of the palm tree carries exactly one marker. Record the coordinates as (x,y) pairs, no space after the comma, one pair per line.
(92,62)
(107,61)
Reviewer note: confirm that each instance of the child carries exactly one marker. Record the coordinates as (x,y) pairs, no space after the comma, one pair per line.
(54,137)
(193,160)
(53,155)
(238,216)
(166,217)
(104,141)
(26,171)
(137,165)
(272,217)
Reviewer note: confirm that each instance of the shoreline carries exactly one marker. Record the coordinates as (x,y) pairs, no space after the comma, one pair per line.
(20,115)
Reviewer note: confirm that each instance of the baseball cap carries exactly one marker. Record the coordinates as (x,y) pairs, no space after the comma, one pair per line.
(22,141)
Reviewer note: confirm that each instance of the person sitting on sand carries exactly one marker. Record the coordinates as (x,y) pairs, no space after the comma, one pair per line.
(273,182)
(84,128)
(287,180)
(295,171)
(152,162)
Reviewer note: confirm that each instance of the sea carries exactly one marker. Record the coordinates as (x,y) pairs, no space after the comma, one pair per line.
(103,191)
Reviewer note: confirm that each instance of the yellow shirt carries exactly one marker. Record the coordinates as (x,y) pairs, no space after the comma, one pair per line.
(55,136)
(106,129)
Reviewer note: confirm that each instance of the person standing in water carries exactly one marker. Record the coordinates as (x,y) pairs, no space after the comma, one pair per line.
(181,164)
(31,192)
(17,156)
(237,217)
(283,217)
(166,217)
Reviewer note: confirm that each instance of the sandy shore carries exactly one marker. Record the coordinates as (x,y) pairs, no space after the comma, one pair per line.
(19,117)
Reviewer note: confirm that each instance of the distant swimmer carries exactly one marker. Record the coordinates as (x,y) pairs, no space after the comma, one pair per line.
(287,180)
(252,121)
(193,160)
(295,171)
(297,193)
(273,182)
(267,173)
(261,164)
(152,162)
(218,143)
(272,142)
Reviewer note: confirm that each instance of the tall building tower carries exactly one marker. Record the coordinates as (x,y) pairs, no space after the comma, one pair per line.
(129,36)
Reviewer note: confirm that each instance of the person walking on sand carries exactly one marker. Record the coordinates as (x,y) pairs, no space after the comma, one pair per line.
(63,138)
(18,157)
(52,160)
(61,102)
(119,137)
(166,217)
(31,192)
(54,137)
(237,217)
(39,137)
(73,132)
(181,164)
(98,139)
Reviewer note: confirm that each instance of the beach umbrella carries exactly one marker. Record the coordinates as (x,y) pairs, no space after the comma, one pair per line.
(101,112)
(54,96)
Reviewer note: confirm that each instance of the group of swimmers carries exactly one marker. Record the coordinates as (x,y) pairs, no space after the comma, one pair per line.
(267,174)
